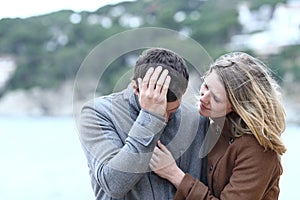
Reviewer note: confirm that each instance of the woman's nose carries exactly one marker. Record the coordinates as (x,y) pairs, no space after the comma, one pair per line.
(204,96)
(203,91)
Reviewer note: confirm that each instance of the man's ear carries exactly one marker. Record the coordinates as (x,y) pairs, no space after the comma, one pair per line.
(135,87)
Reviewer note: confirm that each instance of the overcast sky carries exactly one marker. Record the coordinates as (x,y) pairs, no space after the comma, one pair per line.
(28,8)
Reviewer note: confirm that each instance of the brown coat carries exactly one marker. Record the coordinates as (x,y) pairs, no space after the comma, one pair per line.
(237,168)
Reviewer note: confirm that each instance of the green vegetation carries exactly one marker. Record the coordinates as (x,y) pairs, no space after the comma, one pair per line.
(49,49)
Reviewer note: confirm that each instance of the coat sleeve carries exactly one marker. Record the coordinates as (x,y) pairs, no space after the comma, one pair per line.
(117,166)
(191,188)
(255,174)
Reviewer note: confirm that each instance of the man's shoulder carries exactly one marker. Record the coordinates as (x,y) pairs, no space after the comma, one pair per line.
(102,103)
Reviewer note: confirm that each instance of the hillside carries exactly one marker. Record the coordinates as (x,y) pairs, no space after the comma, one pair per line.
(45,52)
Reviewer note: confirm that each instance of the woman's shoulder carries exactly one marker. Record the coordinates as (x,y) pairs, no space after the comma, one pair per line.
(248,140)
(248,145)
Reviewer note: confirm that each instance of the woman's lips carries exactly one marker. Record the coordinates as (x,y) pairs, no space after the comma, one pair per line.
(203,107)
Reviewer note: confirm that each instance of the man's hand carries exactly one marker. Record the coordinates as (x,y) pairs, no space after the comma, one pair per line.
(153,90)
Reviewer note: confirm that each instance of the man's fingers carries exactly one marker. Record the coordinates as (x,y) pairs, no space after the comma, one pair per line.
(160,82)
(151,99)
(154,77)
(166,84)
(139,80)
(146,78)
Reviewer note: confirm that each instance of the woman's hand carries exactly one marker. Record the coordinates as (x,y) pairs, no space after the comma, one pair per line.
(164,165)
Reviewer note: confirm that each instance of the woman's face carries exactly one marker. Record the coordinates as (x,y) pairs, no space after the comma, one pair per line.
(213,100)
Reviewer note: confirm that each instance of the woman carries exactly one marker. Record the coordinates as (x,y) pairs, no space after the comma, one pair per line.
(244,163)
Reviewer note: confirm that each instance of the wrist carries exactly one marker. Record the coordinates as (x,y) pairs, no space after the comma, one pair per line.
(160,117)
(176,176)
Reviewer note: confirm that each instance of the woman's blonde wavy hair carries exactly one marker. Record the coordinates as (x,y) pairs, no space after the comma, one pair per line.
(254,97)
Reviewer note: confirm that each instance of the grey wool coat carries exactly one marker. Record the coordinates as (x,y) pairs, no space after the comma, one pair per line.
(118,138)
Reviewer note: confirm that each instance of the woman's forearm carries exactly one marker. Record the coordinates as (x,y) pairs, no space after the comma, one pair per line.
(175,176)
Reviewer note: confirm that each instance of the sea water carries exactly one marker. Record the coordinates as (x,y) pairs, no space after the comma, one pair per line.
(41,158)
(291,164)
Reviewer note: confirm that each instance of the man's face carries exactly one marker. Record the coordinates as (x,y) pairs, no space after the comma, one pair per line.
(172,107)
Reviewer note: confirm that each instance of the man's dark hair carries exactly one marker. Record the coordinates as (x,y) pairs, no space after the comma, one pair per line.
(170,60)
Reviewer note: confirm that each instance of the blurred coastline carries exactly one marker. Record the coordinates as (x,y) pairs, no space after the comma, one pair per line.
(59,103)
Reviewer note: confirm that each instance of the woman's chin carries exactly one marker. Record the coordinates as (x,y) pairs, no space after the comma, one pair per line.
(203,113)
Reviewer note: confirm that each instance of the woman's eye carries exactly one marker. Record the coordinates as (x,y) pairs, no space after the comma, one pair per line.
(216,100)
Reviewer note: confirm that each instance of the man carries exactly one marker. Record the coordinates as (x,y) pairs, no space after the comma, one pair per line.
(118,132)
